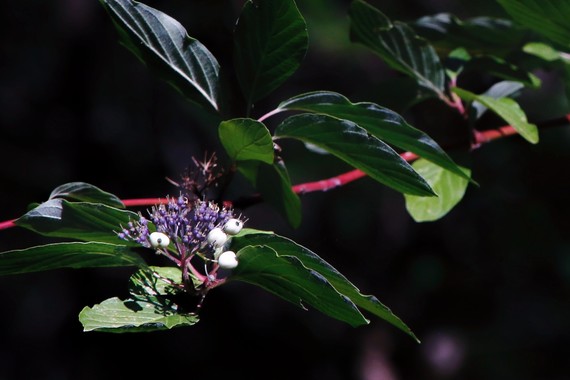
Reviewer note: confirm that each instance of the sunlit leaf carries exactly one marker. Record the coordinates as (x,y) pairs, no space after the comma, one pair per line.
(246,139)
(84,192)
(449,187)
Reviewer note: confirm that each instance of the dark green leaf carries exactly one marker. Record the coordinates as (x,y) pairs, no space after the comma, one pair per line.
(84,192)
(288,278)
(506,108)
(115,315)
(162,42)
(275,186)
(270,43)
(77,220)
(479,35)
(546,17)
(398,45)
(449,187)
(378,121)
(354,145)
(246,139)
(67,255)
(287,247)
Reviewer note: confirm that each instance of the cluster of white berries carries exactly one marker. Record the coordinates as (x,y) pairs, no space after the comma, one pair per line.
(217,237)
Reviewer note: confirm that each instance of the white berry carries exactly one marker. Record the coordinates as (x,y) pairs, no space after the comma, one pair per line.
(217,237)
(233,226)
(159,240)
(228,260)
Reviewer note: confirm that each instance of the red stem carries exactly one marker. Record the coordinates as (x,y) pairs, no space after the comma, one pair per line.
(481,137)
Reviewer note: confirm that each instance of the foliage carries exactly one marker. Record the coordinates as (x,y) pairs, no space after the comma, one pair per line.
(270,42)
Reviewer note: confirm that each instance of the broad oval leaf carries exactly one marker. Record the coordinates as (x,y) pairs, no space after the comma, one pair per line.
(288,278)
(77,220)
(84,192)
(354,145)
(270,42)
(117,316)
(449,187)
(506,108)
(163,43)
(547,17)
(381,122)
(246,139)
(398,45)
(498,90)
(286,247)
(67,255)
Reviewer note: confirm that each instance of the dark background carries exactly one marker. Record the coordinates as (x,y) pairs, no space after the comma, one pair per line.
(486,288)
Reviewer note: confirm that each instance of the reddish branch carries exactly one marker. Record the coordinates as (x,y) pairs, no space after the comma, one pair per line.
(480,138)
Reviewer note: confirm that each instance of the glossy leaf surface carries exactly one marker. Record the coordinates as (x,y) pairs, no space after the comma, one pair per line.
(246,139)
(354,145)
(84,192)
(270,42)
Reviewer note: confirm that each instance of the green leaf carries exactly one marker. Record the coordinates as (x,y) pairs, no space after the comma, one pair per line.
(496,91)
(246,139)
(288,278)
(479,35)
(449,187)
(398,45)
(162,43)
(115,315)
(287,247)
(544,51)
(67,255)
(77,220)
(546,17)
(506,108)
(381,122)
(270,43)
(354,145)
(84,192)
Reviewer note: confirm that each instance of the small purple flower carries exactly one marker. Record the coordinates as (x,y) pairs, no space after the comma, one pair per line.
(187,224)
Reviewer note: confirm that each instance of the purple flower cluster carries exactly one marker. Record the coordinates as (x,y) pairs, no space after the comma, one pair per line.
(186,223)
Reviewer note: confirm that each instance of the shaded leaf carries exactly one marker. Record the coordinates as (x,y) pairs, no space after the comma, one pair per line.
(77,220)
(479,35)
(162,42)
(84,192)
(287,247)
(502,69)
(546,17)
(398,45)
(354,145)
(506,108)
(67,255)
(246,139)
(449,187)
(270,42)
(288,278)
(381,122)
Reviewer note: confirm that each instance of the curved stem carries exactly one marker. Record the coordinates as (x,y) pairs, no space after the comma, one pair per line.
(269,114)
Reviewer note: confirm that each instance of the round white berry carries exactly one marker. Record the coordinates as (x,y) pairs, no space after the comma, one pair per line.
(217,237)
(228,260)
(233,226)
(159,240)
